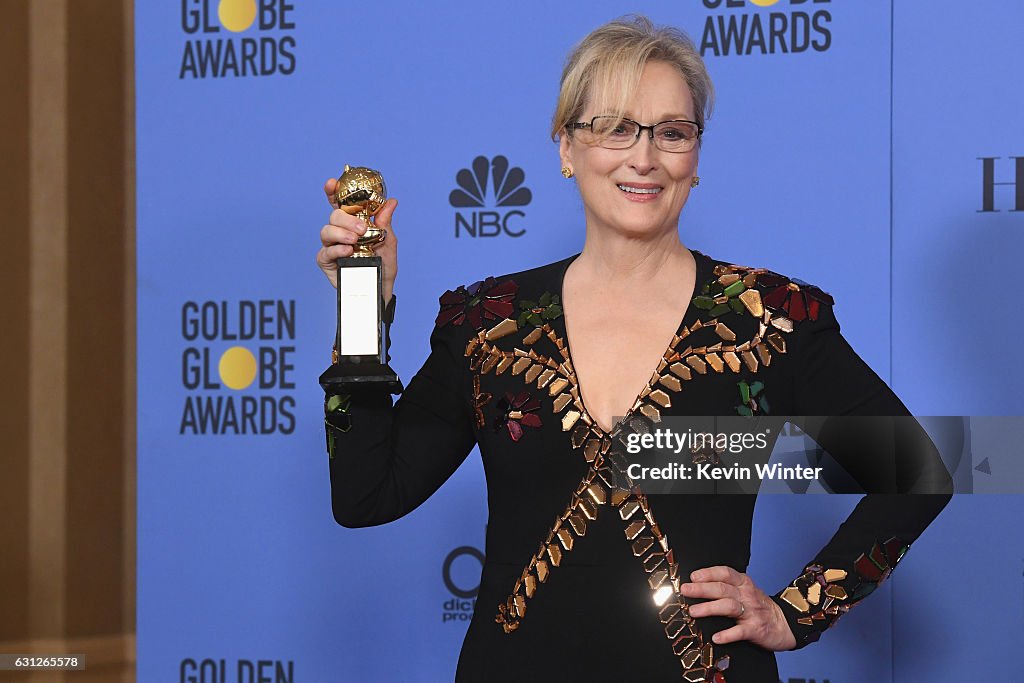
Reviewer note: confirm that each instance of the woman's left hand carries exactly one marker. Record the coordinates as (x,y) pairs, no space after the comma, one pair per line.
(735,595)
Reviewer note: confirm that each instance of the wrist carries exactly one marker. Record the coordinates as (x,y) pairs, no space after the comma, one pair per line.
(786,639)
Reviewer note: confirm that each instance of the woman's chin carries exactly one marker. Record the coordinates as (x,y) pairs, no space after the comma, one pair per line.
(639,230)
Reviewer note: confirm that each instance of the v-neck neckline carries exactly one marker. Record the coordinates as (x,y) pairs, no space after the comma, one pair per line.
(702,274)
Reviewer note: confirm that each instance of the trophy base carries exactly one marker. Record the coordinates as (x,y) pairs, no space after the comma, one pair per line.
(343,378)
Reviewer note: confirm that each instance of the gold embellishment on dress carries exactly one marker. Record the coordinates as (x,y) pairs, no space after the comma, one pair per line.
(530,582)
(661,398)
(837,592)
(818,593)
(561,402)
(480,399)
(489,363)
(561,536)
(565,537)
(723,331)
(750,360)
(502,329)
(732,360)
(579,433)
(805,595)
(697,364)
(834,575)
(670,382)
(605,482)
(647,542)
(503,365)
(557,386)
(680,371)
(728,278)
(751,300)
(634,529)
(777,341)
(715,361)
(651,412)
(794,597)
(520,365)
(554,554)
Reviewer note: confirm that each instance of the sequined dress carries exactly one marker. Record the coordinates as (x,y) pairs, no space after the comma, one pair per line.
(582,571)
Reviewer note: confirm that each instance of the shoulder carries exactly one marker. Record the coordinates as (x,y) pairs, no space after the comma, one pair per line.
(497,297)
(759,291)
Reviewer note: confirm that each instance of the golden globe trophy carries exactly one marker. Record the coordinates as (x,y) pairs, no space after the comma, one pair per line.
(360,350)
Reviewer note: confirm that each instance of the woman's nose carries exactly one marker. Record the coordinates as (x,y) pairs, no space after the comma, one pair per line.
(643,154)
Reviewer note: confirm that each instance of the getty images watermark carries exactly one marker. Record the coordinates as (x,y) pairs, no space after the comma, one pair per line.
(704,461)
(787,454)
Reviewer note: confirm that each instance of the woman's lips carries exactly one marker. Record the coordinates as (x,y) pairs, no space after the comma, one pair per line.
(640,192)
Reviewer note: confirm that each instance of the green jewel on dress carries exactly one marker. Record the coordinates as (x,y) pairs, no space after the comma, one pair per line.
(548,307)
(752,399)
(336,417)
(729,291)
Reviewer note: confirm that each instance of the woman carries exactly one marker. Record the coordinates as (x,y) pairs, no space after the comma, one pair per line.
(581,581)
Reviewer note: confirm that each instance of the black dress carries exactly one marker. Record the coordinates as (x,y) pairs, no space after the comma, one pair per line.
(581,574)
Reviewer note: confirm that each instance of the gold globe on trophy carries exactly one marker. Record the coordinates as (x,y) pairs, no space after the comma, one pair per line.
(361,192)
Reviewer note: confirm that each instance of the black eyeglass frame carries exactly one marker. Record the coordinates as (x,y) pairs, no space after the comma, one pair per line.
(640,128)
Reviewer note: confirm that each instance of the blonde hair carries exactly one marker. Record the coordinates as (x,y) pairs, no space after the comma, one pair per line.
(609,61)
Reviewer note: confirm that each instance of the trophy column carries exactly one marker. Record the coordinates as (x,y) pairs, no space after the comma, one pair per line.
(360,351)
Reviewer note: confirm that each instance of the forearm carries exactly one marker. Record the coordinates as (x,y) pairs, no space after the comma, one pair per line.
(387,457)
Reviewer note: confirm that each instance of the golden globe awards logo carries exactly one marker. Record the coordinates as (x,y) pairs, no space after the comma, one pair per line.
(211,51)
(243,670)
(237,367)
(761,27)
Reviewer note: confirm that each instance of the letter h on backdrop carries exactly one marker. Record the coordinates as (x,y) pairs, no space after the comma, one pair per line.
(988,184)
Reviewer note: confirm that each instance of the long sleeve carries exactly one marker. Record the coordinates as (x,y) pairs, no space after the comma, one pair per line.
(893,460)
(388,457)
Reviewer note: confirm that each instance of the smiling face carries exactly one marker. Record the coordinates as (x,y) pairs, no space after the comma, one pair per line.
(640,191)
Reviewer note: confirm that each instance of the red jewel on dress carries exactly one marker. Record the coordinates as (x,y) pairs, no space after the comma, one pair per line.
(517,411)
(799,300)
(483,300)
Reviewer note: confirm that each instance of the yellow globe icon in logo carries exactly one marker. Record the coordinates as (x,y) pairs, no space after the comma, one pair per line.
(236,15)
(764,3)
(237,367)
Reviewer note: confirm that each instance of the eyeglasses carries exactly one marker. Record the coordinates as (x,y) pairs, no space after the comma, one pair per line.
(612,132)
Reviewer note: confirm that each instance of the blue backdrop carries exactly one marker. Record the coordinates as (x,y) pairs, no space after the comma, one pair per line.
(867,147)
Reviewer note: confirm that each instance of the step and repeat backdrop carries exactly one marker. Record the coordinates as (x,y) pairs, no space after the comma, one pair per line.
(873,148)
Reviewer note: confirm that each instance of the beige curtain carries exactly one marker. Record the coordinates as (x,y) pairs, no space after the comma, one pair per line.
(67,336)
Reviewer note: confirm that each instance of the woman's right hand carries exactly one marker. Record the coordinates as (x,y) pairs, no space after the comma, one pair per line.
(341,232)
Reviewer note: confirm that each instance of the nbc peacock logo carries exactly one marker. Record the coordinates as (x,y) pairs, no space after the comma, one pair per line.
(258,39)
(489,183)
